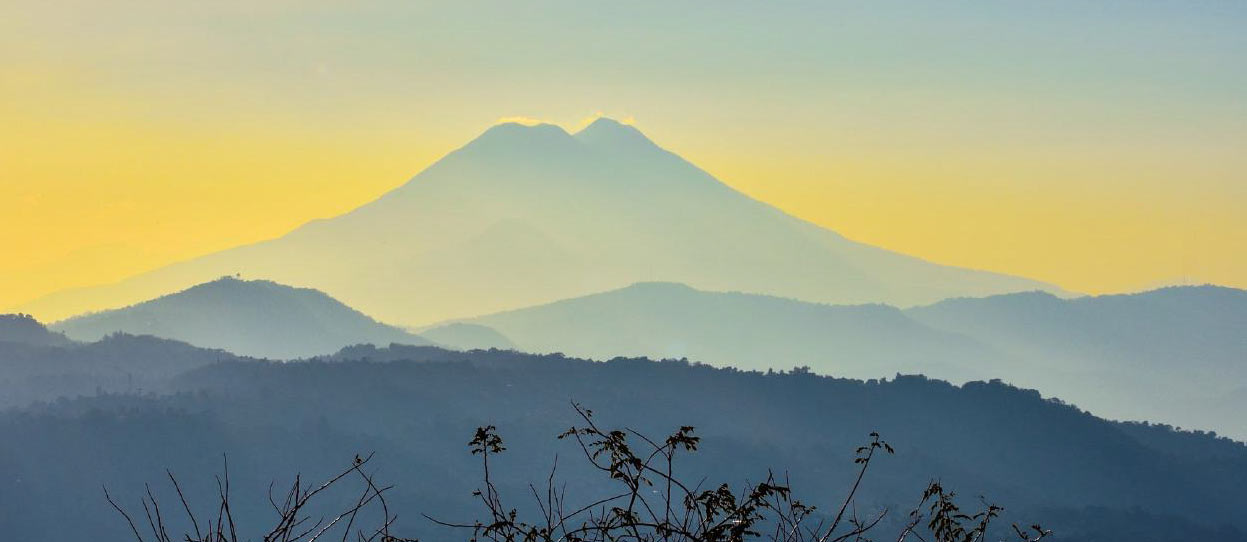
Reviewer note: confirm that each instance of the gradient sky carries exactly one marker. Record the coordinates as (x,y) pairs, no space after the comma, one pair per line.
(1101,146)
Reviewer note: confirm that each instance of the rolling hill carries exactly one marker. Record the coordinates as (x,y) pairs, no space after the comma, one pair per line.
(1086,478)
(467,336)
(748,331)
(1115,355)
(246,317)
(1177,354)
(24,329)
(45,366)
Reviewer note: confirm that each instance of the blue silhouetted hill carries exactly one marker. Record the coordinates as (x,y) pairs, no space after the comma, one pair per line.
(467,336)
(247,317)
(117,363)
(1085,477)
(24,329)
(1182,328)
(1177,353)
(746,331)
(1114,355)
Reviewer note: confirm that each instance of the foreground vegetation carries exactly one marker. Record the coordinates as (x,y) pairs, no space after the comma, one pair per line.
(649,502)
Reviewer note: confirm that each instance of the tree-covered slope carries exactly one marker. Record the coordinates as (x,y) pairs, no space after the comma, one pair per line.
(1044,460)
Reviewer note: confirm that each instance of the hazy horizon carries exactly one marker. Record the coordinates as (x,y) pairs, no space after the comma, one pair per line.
(528,213)
(993,252)
(1093,146)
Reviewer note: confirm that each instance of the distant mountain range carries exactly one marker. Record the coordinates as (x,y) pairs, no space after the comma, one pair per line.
(247,317)
(121,409)
(1174,330)
(466,336)
(748,331)
(602,245)
(1177,355)
(525,215)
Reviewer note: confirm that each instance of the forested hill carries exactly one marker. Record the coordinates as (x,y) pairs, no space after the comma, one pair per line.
(1087,478)
(118,363)
(24,329)
(256,318)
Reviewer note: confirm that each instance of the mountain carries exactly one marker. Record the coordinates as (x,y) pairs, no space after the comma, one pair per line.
(247,317)
(24,329)
(524,215)
(748,331)
(1180,328)
(1177,354)
(118,363)
(467,337)
(1086,478)
(1114,355)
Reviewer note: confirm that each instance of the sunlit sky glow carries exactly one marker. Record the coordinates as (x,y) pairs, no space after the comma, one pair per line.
(1096,145)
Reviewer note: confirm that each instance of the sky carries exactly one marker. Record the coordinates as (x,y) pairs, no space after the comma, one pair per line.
(1095,145)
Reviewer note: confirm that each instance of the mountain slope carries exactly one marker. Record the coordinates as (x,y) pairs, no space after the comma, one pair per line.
(251,318)
(1007,444)
(749,331)
(1176,354)
(24,329)
(1114,355)
(467,336)
(528,214)
(117,363)
(1201,326)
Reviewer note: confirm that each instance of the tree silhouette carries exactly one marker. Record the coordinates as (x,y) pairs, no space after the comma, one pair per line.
(651,502)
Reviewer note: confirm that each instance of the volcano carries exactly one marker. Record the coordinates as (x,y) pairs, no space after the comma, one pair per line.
(527,214)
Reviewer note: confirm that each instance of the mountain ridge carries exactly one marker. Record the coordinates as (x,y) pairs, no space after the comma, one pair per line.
(1111,354)
(416,406)
(24,329)
(257,318)
(668,320)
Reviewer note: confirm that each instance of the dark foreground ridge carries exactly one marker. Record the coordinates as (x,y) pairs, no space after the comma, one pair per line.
(1083,477)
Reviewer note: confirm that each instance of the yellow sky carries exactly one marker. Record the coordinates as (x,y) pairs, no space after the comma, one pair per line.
(1110,160)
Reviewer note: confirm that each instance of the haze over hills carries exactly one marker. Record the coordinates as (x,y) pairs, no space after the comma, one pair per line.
(524,215)
(40,365)
(467,336)
(1177,328)
(1115,355)
(747,331)
(246,317)
(136,405)
(1177,354)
